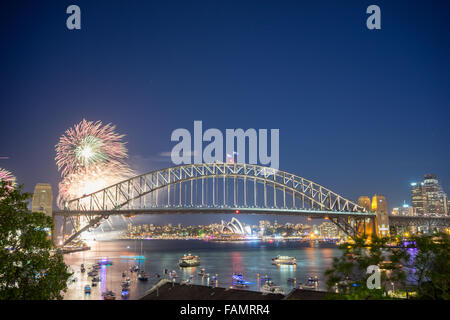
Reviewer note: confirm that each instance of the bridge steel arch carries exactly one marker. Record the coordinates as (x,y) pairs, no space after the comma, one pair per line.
(292,194)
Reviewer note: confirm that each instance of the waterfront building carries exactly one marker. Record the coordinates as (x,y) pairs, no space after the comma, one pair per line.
(328,230)
(235,227)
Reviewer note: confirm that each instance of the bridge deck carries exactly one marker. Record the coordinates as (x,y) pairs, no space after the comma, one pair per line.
(224,210)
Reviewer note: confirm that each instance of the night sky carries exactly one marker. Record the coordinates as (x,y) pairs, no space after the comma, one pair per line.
(359,111)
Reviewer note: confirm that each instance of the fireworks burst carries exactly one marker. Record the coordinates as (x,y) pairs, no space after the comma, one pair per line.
(90,157)
(8,177)
(89,144)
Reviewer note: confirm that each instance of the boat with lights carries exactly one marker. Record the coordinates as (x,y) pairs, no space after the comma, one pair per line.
(284,260)
(270,287)
(189,261)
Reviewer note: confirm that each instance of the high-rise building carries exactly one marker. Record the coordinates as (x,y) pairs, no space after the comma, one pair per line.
(428,197)
(404,210)
(417,198)
(435,196)
(379,205)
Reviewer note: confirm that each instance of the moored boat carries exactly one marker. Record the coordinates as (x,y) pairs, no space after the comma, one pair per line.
(109,295)
(270,287)
(142,276)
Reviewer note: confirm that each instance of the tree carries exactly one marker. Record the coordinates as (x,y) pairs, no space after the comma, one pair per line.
(29,268)
(430,266)
(349,276)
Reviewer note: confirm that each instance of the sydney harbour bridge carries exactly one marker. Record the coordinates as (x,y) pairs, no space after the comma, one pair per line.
(216,188)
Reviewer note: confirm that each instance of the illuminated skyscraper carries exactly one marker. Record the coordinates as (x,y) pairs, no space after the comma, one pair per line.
(417,198)
(428,198)
(435,196)
(379,205)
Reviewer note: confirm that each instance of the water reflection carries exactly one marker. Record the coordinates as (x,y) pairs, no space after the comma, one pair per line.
(253,260)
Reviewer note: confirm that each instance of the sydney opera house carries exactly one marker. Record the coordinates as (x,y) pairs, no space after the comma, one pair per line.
(234,227)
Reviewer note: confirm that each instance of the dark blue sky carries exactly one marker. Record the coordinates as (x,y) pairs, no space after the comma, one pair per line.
(359,111)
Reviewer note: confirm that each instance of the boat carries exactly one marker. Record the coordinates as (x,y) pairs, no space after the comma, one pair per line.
(109,295)
(270,287)
(239,281)
(311,283)
(237,276)
(87,289)
(313,279)
(306,286)
(125,293)
(189,261)
(284,260)
(142,276)
(92,273)
(104,262)
(201,272)
(239,284)
(265,278)
(134,268)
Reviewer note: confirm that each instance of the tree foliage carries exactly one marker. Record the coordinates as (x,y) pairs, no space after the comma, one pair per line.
(29,268)
(430,266)
(422,268)
(348,274)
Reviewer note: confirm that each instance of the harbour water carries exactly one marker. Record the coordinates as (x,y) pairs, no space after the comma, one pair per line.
(249,258)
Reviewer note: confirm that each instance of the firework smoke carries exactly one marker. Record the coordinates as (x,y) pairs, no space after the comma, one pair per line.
(90,157)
